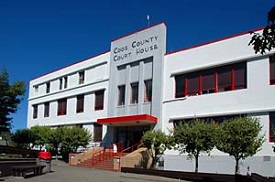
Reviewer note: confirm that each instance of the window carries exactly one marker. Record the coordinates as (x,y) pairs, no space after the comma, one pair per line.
(99,100)
(121,95)
(224,78)
(148,91)
(193,84)
(134,96)
(220,79)
(80,104)
(62,107)
(272,69)
(239,76)
(35,88)
(97,133)
(81,77)
(48,86)
(180,86)
(215,119)
(208,81)
(60,83)
(65,82)
(46,109)
(35,111)
(272,127)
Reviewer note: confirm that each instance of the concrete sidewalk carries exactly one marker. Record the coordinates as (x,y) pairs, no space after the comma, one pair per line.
(62,172)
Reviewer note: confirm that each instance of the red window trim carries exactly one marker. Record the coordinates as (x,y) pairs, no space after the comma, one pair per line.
(232,86)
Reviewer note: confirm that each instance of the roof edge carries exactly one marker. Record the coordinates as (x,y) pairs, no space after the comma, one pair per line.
(94,56)
(214,41)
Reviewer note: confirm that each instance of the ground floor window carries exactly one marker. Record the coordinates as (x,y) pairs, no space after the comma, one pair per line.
(214,119)
(97,133)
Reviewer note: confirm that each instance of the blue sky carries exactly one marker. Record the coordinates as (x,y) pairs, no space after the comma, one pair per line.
(40,36)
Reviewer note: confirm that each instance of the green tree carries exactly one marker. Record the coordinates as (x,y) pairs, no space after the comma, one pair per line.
(41,135)
(75,137)
(156,142)
(266,40)
(240,138)
(68,139)
(23,138)
(10,98)
(55,139)
(195,137)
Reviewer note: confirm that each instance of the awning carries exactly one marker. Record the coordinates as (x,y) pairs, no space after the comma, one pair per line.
(131,120)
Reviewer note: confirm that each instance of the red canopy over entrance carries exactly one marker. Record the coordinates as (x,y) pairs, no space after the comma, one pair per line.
(132,120)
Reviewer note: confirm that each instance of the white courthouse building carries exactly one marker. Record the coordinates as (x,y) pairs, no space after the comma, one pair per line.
(137,86)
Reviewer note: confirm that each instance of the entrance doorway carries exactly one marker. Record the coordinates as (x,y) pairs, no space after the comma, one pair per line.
(130,135)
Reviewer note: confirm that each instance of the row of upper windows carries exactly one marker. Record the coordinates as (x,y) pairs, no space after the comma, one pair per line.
(62,105)
(63,82)
(219,119)
(134,92)
(219,79)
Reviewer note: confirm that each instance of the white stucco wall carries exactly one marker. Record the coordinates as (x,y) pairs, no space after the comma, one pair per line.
(96,78)
(256,100)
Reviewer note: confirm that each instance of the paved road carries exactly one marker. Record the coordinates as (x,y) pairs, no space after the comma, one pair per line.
(63,173)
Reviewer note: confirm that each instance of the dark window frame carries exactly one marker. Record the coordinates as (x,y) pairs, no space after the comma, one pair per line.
(97,135)
(134,92)
(180,86)
(272,127)
(272,69)
(121,95)
(99,100)
(65,82)
(60,83)
(148,90)
(62,107)
(46,109)
(48,87)
(35,111)
(224,78)
(80,103)
(81,75)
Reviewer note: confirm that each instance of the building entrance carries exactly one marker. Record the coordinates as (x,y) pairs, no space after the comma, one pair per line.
(130,135)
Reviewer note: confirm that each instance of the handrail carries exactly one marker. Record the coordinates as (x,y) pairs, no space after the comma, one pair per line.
(109,152)
(131,147)
(106,153)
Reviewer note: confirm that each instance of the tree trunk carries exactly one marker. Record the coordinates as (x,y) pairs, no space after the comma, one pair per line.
(197,162)
(237,166)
